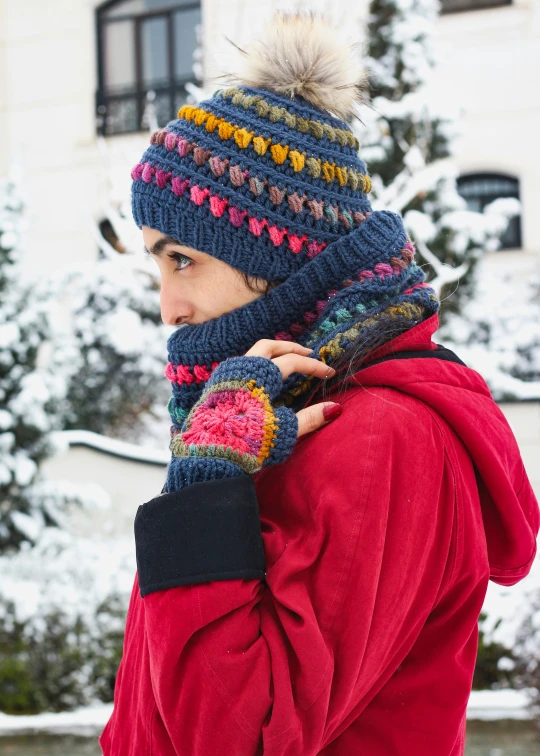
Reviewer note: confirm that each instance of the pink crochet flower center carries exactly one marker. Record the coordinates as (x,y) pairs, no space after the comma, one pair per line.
(228,418)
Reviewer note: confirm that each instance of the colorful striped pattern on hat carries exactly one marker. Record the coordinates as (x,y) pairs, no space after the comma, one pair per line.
(253,178)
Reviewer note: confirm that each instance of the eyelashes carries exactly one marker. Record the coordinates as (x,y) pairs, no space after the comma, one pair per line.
(178,257)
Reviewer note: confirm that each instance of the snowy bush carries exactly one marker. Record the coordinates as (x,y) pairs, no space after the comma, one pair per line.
(62,616)
(509,637)
(62,667)
(112,352)
(407,144)
(494,661)
(31,395)
(497,332)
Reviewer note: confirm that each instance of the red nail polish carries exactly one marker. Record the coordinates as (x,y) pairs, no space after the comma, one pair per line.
(330,412)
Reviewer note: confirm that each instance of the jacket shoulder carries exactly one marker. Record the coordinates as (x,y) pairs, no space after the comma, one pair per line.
(383,444)
(393,415)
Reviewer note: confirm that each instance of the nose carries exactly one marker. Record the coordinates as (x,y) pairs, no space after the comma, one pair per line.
(173,310)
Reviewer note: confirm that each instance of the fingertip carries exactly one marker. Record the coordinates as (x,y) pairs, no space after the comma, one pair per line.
(331,411)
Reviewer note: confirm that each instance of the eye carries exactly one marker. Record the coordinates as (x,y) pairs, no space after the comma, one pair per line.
(180,259)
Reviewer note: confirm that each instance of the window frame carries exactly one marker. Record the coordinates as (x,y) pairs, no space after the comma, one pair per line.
(175,85)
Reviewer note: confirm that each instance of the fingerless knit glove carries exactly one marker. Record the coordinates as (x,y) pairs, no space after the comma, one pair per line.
(233,429)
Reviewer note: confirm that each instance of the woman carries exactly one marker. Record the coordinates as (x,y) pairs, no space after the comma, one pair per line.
(306,585)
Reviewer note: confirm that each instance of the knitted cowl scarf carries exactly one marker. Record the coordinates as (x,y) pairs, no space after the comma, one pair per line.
(365,277)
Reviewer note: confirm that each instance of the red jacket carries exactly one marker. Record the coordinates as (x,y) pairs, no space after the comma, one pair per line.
(354,631)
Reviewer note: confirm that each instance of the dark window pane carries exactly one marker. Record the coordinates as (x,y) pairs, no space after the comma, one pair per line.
(119,57)
(474,204)
(121,116)
(154,52)
(185,41)
(512,236)
(162,107)
(139,7)
(451,6)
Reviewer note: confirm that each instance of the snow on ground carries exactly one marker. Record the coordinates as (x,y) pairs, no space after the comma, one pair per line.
(498,704)
(85,721)
(483,704)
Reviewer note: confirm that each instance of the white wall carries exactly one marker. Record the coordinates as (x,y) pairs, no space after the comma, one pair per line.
(47,114)
(48,80)
(524,419)
(488,69)
(129,483)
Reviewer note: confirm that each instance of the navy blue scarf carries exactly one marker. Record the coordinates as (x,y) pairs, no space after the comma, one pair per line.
(364,277)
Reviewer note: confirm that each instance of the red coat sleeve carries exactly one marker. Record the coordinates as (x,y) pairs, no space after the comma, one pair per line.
(245,653)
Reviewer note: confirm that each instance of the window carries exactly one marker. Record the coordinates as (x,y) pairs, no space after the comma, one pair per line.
(453,6)
(479,189)
(143,46)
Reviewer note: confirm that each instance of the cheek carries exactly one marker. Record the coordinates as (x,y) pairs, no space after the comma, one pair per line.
(219,290)
(228,288)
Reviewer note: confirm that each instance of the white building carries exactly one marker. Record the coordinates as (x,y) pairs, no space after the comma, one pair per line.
(67,65)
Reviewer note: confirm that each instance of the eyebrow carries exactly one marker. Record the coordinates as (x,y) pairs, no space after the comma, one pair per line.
(159,246)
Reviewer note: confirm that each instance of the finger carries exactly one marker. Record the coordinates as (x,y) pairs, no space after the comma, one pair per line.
(274,348)
(312,418)
(295,363)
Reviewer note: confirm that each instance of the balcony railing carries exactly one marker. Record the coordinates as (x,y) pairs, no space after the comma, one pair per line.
(123,112)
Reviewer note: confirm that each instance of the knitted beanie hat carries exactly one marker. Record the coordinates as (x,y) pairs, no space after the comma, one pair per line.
(263,176)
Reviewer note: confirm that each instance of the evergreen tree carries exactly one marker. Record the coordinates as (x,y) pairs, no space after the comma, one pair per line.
(407,148)
(30,395)
(61,613)
(114,352)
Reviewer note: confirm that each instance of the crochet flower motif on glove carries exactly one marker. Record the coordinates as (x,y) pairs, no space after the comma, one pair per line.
(233,429)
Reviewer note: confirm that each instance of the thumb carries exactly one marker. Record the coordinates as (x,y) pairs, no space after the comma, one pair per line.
(314,417)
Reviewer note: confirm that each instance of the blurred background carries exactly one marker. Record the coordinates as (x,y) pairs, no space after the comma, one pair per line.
(450,139)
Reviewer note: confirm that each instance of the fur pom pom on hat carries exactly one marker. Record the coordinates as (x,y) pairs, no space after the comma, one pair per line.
(265,174)
(301,54)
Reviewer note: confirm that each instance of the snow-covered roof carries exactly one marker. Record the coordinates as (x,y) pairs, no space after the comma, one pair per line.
(112,446)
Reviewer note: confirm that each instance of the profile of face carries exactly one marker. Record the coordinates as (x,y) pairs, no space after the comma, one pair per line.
(196,287)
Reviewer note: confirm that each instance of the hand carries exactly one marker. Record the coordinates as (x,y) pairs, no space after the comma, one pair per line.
(234,428)
(290,357)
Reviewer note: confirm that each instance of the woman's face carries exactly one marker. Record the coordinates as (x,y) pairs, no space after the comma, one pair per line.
(195,287)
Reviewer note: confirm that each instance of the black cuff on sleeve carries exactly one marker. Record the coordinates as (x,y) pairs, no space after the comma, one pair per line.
(206,531)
